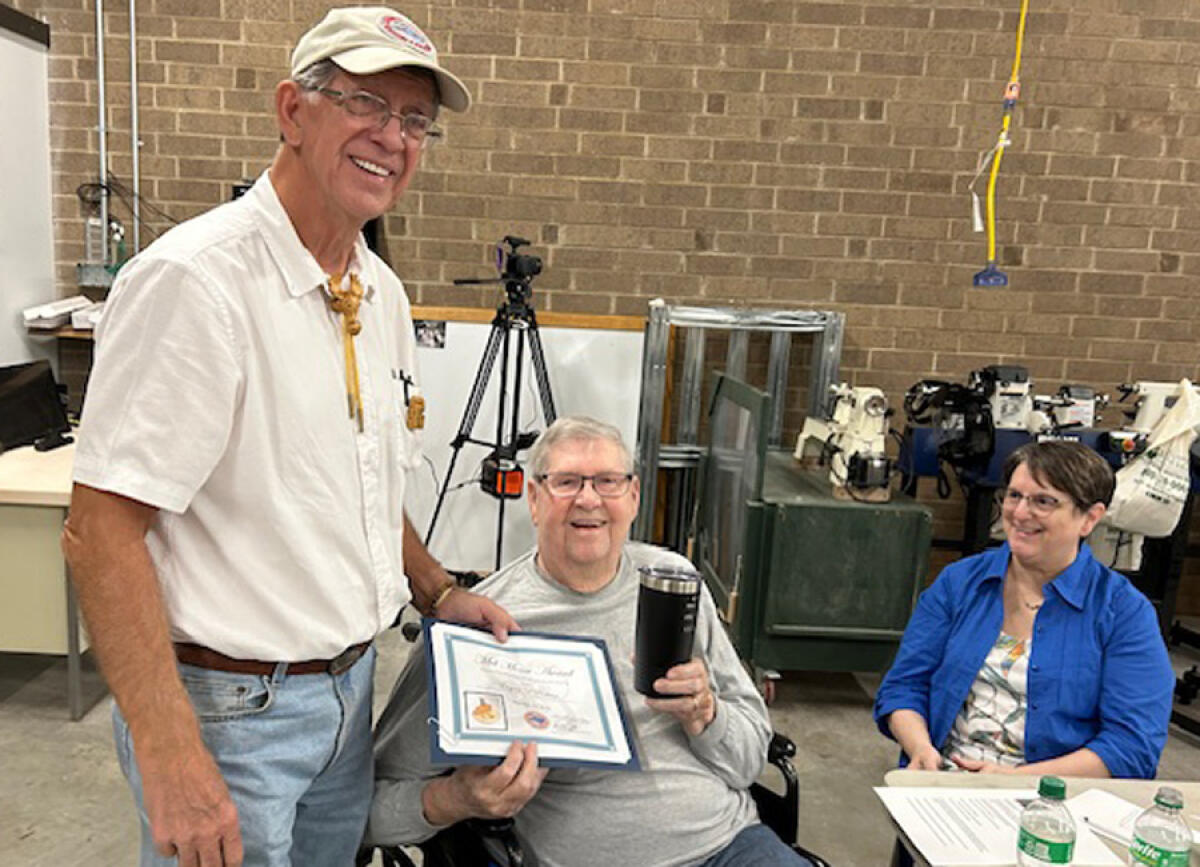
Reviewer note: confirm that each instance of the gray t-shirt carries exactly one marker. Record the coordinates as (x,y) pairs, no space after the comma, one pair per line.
(691,797)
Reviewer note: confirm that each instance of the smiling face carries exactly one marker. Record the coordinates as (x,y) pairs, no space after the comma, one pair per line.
(1046,542)
(580,537)
(356,171)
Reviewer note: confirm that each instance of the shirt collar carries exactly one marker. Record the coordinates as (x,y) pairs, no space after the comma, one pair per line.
(1071,584)
(299,267)
(594,594)
(995,563)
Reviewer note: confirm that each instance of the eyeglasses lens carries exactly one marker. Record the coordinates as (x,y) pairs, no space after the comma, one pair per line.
(570,484)
(1039,504)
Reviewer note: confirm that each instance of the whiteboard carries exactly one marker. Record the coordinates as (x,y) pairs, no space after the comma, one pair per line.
(26,234)
(591,371)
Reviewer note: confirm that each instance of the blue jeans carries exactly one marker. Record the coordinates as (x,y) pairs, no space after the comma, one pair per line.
(756,846)
(295,752)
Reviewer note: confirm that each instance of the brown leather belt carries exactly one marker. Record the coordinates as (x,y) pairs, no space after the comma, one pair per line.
(203,657)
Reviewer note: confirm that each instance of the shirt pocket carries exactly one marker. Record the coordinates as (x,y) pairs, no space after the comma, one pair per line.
(405,442)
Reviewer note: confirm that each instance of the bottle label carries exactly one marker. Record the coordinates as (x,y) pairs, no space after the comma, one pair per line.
(1142,852)
(1046,851)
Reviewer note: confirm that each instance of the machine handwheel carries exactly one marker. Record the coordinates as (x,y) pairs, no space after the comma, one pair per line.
(768,692)
(767,682)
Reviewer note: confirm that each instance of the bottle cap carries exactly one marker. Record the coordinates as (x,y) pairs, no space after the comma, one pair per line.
(1169,798)
(1053,788)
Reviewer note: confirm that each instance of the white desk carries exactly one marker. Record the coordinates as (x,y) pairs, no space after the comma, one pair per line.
(39,613)
(1134,791)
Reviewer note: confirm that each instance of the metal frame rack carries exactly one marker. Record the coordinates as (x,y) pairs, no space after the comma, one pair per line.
(653,454)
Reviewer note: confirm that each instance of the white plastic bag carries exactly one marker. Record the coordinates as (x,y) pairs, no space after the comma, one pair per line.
(1153,487)
(1115,548)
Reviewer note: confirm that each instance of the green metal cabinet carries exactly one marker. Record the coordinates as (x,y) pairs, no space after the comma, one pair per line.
(805,581)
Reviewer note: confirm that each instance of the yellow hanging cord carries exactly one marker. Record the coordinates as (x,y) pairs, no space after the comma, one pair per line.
(1011,93)
(345,302)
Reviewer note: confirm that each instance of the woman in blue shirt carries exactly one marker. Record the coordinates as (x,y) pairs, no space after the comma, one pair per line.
(1034,658)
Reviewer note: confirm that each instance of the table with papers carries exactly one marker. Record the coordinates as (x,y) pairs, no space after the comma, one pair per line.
(947,819)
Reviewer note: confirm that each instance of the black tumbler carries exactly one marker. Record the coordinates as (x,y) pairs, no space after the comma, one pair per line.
(666,623)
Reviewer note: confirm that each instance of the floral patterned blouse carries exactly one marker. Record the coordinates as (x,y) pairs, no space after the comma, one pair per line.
(991,724)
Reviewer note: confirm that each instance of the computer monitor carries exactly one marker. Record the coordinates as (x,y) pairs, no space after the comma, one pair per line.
(31,408)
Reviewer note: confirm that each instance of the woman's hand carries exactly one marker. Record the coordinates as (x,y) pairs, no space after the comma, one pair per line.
(910,731)
(927,759)
(976,766)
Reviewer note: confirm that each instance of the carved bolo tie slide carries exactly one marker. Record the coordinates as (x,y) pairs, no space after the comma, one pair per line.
(345,302)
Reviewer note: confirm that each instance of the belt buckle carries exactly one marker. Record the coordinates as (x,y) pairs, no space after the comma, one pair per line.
(346,659)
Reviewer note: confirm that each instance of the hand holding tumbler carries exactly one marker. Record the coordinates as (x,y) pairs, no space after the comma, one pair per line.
(668,598)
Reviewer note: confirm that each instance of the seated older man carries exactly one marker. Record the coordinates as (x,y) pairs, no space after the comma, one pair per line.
(700,751)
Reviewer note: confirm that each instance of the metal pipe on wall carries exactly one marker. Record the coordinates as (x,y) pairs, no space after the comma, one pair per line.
(102,128)
(135,144)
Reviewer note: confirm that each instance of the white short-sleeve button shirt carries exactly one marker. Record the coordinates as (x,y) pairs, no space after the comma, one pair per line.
(218,395)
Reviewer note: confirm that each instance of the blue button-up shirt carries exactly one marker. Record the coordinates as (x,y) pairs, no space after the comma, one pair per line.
(1099,676)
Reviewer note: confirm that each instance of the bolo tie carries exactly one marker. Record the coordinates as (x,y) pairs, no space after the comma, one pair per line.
(345,302)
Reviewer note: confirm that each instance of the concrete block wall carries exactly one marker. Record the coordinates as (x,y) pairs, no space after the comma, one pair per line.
(761,152)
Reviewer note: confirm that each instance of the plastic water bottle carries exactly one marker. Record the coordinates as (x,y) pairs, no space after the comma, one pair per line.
(1047,833)
(1161,837)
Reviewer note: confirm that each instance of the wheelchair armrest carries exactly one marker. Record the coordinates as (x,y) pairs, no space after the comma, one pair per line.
(780,749)
(390,856)
(780,812)
(779,753)
(491,827)
(501,831)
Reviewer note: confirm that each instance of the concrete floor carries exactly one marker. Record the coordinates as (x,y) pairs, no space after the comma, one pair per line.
(65,802)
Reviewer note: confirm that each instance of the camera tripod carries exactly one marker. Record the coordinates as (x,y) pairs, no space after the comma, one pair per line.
(502,476)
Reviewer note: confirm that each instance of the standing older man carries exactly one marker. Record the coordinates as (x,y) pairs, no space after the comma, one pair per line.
(237,532)
(700,751)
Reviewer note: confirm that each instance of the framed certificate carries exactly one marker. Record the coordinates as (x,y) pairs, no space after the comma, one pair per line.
(557,690)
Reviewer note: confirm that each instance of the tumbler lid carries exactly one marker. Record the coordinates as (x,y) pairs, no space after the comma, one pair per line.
(671,579)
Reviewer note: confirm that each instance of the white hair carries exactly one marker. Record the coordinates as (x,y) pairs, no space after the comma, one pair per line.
(316,75)
(575,427)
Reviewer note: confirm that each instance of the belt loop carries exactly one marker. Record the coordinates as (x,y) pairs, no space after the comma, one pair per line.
(279,675)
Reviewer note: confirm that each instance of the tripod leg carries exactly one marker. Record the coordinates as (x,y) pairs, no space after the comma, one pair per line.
(538,358)
(517,383)
(500,427)
(499,333)
(469,415)
(499,532)
(437,509)
(503,390)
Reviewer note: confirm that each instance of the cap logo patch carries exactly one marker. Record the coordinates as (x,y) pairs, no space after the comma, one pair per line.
(404,30)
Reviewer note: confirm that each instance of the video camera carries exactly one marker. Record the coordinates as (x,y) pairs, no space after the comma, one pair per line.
(517,270)
(513,265)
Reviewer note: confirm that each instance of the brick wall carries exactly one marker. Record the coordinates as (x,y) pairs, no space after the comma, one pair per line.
(766,152)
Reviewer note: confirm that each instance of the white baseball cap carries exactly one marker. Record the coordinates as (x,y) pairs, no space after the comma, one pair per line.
(366,39)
